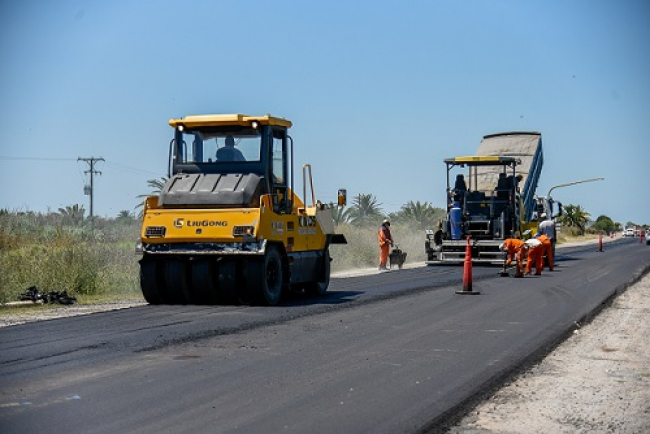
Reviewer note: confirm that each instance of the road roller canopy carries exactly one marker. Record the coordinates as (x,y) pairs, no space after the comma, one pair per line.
(228,159)
(227,143)
(225,120)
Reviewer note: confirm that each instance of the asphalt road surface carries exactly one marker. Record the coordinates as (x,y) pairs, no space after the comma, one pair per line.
(396,352)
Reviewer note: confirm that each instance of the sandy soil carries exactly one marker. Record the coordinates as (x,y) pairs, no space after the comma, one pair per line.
(597,381)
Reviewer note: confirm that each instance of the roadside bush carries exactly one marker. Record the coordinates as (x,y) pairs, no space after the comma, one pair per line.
(74,268)
(56,257)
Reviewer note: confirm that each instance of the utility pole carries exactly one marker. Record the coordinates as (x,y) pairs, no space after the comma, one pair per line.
(88,190)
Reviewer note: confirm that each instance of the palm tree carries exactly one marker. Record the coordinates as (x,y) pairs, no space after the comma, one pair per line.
(72,213)
(125,216)
(576,217)
(364,210)
(423,215)
(340,214)
(156,185)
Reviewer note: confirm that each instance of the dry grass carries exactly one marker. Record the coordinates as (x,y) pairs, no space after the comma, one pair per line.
(568,236)
(362,250)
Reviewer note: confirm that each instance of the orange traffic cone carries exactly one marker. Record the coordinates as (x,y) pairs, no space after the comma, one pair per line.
(467,272)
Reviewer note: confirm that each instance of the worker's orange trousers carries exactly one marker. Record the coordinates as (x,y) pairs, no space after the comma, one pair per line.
(548,250)
(383,255)
(536,255)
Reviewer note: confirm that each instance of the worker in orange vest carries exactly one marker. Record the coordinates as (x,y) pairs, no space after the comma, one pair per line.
(385,241)
(513,246)
(548,249)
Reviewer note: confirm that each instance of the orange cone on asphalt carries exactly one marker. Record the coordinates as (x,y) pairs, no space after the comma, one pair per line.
(467,272)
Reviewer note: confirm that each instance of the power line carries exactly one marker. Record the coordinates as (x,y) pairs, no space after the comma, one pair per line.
(108,162)
(131,169)
(5,157)
(81,175)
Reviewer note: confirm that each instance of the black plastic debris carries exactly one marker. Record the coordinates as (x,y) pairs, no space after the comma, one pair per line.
(33,294)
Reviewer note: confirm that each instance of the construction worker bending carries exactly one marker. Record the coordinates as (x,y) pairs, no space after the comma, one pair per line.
(548,250)
(535,250)
(513,246)
(385,241)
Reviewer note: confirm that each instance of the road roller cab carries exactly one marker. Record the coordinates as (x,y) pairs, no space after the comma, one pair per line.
(227,225)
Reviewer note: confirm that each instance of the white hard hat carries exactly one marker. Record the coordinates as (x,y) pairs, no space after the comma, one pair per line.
(543,215)
(502,247)
(385,222)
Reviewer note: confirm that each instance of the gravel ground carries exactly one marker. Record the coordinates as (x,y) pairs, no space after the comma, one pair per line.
(48,312)
(597,381)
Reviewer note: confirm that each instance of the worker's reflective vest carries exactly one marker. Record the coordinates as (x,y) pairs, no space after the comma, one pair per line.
(384,235)
(513,246)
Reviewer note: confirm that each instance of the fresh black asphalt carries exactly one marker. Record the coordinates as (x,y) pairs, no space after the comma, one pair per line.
(390,352)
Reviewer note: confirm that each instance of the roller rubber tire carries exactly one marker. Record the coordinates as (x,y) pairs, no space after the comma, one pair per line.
(271,280)
(177,282)
(320,286)
(150,282)
(204,286)
(228,281)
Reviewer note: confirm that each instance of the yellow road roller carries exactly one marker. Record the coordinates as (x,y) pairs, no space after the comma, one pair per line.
(228,226)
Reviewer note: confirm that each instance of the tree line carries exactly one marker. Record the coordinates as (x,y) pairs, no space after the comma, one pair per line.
(365,210)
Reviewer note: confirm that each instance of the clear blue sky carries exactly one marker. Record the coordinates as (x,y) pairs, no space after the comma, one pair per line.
(380,92)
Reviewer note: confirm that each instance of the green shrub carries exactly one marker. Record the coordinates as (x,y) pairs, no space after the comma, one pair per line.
(42,252)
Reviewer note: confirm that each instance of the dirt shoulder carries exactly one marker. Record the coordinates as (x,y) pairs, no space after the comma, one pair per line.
(597,381)
(42,312)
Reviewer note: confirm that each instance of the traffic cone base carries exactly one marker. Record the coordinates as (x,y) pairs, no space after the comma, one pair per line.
(470,292)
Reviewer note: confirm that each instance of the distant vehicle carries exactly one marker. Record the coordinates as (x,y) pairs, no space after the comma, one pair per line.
(629,232)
